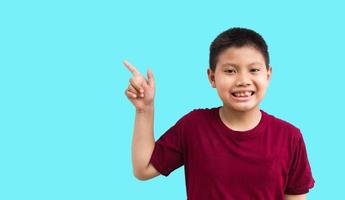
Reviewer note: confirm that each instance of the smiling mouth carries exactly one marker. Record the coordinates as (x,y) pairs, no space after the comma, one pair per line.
(243,94)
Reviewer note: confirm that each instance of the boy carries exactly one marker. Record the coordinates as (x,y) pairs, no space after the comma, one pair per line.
(232,152)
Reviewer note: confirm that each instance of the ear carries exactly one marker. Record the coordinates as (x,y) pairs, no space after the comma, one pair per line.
(211,78)
(269,73)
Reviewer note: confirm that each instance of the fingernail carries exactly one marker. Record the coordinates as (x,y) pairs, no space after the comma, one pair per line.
(142,95)
(134,95)
(141,90)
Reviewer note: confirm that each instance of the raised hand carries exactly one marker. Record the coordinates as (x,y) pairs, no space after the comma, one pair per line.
(140,91)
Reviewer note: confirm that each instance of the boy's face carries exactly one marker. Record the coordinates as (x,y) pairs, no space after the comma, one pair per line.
(241,78)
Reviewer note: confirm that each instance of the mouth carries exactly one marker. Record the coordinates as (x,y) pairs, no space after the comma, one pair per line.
(245,94)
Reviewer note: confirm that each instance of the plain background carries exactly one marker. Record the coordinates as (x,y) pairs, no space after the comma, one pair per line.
(66,125)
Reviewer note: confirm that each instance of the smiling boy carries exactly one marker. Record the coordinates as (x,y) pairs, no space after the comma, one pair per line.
(234,151)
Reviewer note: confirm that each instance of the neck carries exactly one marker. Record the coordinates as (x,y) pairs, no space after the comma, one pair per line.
(240,120)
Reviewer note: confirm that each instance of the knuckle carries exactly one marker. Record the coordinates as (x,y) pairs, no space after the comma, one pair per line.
(138,79)
(131,80)
(129,90)
(134,82)
(131,87)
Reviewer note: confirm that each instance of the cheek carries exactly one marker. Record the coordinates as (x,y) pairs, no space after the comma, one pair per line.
(263,82)
(224,81)
(263,87)
(223,85)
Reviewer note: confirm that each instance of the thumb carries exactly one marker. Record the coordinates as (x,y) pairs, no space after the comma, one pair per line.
(151,80)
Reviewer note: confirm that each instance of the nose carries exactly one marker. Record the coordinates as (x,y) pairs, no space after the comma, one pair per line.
(242,80)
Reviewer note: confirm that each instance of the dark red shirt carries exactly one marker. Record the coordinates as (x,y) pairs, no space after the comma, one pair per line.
(263,163)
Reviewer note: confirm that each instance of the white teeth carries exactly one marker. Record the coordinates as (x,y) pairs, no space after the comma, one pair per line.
(242,94)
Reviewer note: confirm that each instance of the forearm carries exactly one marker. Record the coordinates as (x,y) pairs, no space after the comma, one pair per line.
(295,197)
(143,139)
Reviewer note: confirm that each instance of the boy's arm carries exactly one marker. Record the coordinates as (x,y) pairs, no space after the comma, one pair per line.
(141,93)
(143,144)
(295,197)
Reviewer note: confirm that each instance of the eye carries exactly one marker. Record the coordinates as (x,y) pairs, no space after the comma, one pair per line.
(255,70)
(229,71)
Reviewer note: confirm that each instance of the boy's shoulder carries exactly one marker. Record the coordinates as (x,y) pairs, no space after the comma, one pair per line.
(198,114)
(283,125)
(201,111)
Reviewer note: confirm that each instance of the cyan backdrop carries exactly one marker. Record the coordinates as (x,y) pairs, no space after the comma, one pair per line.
(66,125)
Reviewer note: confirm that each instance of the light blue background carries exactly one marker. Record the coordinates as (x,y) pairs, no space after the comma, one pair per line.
(66,125)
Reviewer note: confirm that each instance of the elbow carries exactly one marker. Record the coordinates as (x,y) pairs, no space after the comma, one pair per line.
(140,176)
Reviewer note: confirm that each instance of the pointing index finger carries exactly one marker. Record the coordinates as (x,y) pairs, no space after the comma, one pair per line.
(131,68)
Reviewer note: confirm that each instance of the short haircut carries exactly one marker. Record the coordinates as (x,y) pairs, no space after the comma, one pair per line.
(237,37)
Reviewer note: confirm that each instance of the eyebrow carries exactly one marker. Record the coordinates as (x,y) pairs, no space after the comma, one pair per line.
(233,64)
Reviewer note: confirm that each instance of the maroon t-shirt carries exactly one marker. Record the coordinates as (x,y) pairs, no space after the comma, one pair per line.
(220,163)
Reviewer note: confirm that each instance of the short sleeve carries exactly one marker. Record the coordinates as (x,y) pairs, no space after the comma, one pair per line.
(168,154)
(300,178)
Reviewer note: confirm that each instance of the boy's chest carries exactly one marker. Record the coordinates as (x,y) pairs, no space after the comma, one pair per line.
(220,160)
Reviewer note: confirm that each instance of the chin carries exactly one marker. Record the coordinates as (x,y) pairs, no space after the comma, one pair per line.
(242,108)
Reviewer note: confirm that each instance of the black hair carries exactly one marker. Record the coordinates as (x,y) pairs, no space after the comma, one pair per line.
(237,37)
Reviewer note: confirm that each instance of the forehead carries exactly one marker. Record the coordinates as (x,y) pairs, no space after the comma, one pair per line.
(245,55)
